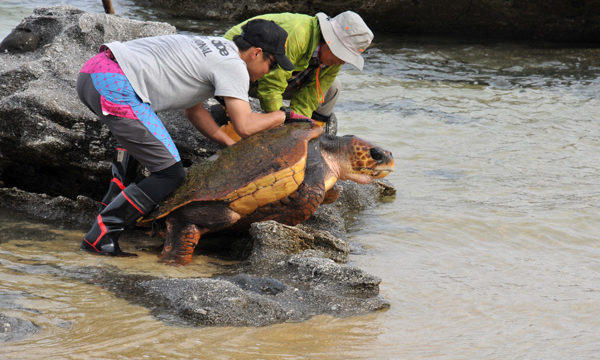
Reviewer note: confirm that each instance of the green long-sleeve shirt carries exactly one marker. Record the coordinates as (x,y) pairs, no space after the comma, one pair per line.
(304,35)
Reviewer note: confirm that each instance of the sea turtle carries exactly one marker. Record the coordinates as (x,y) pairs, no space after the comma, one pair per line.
(282,174)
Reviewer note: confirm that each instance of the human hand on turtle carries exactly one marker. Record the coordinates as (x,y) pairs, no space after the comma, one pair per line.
(291,116)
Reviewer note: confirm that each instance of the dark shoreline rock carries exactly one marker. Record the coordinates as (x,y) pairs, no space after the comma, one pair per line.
(558,21)
(60,209)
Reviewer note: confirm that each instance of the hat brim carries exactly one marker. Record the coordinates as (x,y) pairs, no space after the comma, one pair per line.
(335,44)
(284,62)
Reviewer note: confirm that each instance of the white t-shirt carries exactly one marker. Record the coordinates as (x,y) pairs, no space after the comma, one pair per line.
(179,71)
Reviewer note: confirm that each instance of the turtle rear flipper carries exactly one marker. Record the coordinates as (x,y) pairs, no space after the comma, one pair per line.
(185,227)
(179,251)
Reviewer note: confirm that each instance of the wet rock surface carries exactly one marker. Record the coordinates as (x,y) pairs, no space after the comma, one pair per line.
(55,158)
(80,211)
(278,282)
(15,329)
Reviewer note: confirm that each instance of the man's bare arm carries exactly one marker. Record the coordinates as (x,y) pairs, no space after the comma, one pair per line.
(246,122)
(204,122)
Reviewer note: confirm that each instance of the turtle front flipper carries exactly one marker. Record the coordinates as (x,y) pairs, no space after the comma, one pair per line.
(331,195)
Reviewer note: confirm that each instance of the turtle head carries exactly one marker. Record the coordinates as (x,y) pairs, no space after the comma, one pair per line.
(352,158)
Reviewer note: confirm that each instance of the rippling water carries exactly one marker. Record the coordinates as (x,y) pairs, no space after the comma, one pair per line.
(489,250)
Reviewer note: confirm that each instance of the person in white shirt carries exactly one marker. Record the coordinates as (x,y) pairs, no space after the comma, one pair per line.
(125,84)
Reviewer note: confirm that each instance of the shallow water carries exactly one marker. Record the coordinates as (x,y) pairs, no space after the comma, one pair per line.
(489,250)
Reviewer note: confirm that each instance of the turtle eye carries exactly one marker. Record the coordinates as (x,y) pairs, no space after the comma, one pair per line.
(377,154)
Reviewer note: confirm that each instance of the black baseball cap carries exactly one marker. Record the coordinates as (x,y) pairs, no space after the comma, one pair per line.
(270,37)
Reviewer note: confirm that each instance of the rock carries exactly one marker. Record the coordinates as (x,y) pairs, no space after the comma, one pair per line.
(15,329)
(213,302)
(258,285)
(342,280)
(573,21)
(60,209)
(244,300)
(20,40)
(278,283)
(273,242)
(49,141)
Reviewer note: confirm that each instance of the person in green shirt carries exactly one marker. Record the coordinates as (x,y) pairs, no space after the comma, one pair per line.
(318,46)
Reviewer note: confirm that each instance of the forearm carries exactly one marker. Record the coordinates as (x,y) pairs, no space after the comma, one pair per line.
(246,122)
(203,121)
(256,122)
(268,120)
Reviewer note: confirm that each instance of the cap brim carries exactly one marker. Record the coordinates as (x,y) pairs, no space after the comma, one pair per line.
(284,62)
(336,46)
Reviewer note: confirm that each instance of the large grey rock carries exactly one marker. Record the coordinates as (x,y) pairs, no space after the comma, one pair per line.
(49,141)
(311,285)
(563,20)
(60,209)
(274,242)
(284,279)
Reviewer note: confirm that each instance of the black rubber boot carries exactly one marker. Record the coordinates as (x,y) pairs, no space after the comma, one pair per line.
(330,121)
(124,172)
(131,204)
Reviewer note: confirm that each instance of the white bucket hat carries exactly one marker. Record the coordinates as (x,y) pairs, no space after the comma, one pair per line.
(347,36)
